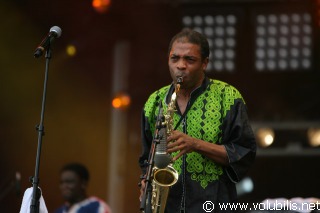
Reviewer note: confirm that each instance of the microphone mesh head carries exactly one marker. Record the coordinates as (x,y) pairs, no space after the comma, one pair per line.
(57,30)
(162,160)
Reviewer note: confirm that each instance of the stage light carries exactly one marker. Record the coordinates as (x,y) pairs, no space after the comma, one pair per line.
(101,6)
(71,50)
(283,42)
(245,186)
(121,101)
(314,136)
(265,136)
(279,38)
(287,138)
(221,32)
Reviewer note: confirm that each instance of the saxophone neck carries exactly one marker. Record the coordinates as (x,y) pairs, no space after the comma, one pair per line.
(177,88)
(178,83)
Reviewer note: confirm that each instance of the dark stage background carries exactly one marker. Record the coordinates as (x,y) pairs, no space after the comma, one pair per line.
(78,108)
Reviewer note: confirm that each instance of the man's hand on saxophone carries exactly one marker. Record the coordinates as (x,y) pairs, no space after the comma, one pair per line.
(183,143)
(142,185)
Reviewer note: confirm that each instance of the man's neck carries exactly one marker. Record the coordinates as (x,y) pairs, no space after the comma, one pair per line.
(184,94)
(183,99)
(77,200)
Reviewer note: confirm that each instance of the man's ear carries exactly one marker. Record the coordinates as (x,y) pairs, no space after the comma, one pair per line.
(205,63)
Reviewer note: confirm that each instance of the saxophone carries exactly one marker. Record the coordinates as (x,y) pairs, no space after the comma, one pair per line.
(164,175)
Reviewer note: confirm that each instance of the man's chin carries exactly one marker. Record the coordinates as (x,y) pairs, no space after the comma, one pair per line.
(67,196)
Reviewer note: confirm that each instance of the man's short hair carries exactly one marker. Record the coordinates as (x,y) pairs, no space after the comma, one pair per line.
(77,168)
(194,37)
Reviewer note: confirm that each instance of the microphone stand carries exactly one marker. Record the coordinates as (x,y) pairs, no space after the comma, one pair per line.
(145,205)
(36,193)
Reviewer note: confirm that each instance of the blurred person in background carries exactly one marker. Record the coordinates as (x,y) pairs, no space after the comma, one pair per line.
(74,179)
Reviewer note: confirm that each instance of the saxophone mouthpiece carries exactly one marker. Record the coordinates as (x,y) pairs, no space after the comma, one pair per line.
(179,80)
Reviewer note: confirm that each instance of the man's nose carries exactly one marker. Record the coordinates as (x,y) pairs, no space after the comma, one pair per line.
(181,64)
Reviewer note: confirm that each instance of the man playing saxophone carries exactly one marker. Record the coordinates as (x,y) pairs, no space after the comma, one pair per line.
(212,144)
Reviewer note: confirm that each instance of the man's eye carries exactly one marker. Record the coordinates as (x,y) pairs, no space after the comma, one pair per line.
(66,182)
(191,60)
(174,58)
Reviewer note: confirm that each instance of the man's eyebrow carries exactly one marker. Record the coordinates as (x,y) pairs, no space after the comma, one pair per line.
(190,56)
(183,56)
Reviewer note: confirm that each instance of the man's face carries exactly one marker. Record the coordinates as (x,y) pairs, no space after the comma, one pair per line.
(71,186)
(185,61)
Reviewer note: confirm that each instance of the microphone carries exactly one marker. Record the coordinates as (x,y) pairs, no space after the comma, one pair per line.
(55,32)
(161,157)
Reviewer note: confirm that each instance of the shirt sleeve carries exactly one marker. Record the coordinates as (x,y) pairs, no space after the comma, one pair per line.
(146,140)
(239,141)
